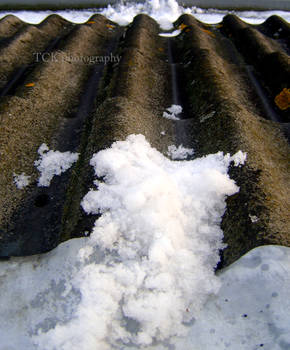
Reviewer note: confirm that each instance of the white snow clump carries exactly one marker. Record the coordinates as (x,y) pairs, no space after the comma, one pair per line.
(53,163)
(179,152)
(172,112)
(160,229)
(21,180)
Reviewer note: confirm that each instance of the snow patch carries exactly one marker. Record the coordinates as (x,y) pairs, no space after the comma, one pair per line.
(21,181)
(172,112)
(239,158)
(53,163)
(179,152)
(254,218)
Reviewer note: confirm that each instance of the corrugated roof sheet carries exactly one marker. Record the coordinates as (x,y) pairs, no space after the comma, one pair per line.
(232,80)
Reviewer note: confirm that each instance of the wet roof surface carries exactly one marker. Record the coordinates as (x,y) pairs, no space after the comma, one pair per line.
(80,87)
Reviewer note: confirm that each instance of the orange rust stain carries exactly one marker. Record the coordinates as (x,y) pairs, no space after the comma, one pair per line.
(91,22)
(208,32)
(161,49)
(182,26)
(282,100)
(110,26)
(29,84)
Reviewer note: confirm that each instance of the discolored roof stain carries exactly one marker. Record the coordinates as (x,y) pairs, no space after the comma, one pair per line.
(57,88)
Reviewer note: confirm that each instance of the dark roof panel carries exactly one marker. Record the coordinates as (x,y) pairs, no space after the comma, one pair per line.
(231,79)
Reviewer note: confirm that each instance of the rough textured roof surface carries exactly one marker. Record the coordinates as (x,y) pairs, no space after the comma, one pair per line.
(232,80)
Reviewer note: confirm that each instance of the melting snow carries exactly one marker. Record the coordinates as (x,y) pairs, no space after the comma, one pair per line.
(21,180)
(147,268)
(179,152)
(53,163)
(172,112)
(239,158)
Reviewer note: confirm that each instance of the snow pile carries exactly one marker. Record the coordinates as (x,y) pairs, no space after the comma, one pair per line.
(121,13)
(21,180)
(144,279)
(165,12)
(179,152)
(160,224)
(53,163)
(146,270)
(172,112)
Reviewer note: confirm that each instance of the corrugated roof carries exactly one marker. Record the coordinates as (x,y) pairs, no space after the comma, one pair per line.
(232,80)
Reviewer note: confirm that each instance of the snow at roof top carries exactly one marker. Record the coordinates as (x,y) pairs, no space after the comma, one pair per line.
(146,270)
(164,12)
